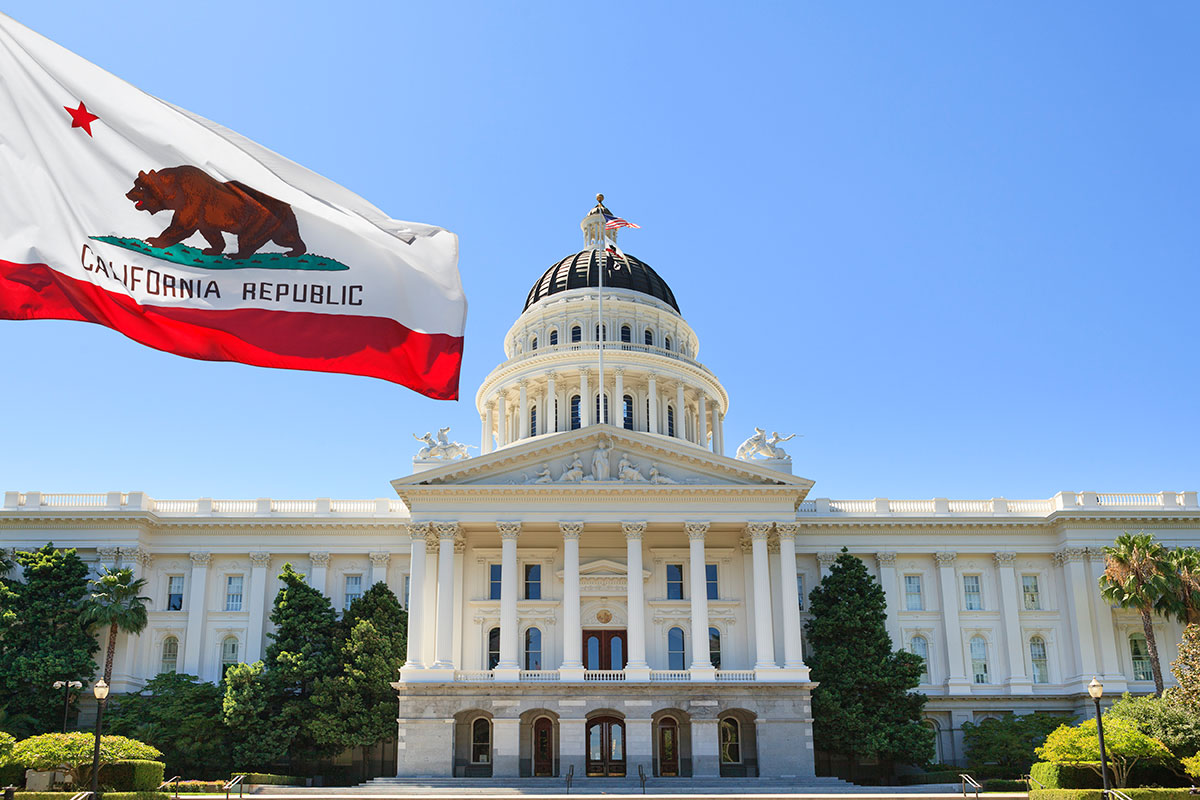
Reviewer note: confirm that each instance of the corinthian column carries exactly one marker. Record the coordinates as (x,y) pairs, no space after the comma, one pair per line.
(257,606)
(572,666)
(764,628)
(444,647)
(416,596)
(793,657)
(636,668)
(509,668)
(702,667)
(958,682)
(196,606)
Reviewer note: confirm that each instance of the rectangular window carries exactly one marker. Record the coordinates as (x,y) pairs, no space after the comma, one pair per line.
(674,581)
(533,581)
(353,590)
(1033,598)
(233,593)
(407,583)
(710,579)
(912,593)
(494,581)
(800,590)
(972,593)
(175,593)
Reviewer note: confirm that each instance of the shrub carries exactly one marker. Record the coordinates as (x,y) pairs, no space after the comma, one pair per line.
(267,779)
(1125,745)
(1001,785)
(12,775)
(193,787)
(7,740)
(1009,741)
(1192,767)
(1063,776)
(74,750)
(1095,794)
(1165,718)
(106,796)
(133,775)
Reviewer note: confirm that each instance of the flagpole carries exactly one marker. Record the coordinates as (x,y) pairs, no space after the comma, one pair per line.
(601,331)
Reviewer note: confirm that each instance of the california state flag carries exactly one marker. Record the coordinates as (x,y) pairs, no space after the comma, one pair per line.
(121,209)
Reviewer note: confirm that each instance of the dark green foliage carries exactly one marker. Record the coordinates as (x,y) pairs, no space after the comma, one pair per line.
(12,775)
(198,787)
(924,778)
(1095,794)
(267,779)
(863,707)
(1010,740)
(248,711)
(1165,718)
(1064,776)
(1001,785)
(107,796)
(45,641)
(181,716)
(356,707)
(132,776)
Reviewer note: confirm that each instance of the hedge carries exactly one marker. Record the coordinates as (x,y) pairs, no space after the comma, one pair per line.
(1075,776)
(1095,794)
(266,779)
(12,775)
(1001,785)
(133,775)
(105,796)
(183,787)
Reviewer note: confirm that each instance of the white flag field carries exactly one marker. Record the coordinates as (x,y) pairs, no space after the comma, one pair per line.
(120,209)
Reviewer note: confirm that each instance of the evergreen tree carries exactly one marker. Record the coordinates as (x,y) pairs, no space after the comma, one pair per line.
(181,716)
(45,640)
(1186,669)
(863,707)
(357,707)
(259,736)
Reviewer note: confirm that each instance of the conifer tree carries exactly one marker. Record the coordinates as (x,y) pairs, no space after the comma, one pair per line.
(862,707)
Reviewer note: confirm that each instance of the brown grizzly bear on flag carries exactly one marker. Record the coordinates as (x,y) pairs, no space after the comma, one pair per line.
(202,203)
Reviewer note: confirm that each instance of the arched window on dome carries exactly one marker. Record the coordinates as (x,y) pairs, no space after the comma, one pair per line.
(553,337)
(675,651)
(626,334)
(533,421)
(601,333)
(170,654)
(920,647)
(533,343)
(576,422)
(604,419)
(627,412)
(576,334)
(667,343)
(649,338)
(670,420)
(1038,660)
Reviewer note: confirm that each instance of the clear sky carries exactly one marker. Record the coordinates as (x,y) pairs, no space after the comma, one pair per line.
(954,245)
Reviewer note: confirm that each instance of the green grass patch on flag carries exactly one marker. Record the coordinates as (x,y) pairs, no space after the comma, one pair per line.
(187,256)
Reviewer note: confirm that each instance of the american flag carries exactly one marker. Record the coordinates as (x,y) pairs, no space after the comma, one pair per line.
(611,223)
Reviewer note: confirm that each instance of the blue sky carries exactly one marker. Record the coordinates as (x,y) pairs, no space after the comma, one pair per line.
(954,245)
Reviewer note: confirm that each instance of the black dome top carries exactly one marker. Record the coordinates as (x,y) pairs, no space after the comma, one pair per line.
(580,271)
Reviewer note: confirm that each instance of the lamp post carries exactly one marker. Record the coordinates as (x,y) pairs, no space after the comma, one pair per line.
(68,686)
(1096,690)
(101,692)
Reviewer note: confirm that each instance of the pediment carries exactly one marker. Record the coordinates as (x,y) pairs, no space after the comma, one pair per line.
(574,461)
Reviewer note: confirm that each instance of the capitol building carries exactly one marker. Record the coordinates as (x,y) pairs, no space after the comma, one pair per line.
(612,582)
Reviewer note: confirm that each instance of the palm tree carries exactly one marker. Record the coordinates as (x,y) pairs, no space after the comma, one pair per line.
(1137,575)
(115,603)
(1182,602)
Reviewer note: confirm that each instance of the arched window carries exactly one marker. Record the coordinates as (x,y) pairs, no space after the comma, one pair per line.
(601,333)
(533,420)
(919,646)
(575,419)
(481,741)
(979,659)
(1142,671)
(1037,659)
(533,649)
(627,412)
(648,338)
(599,418)
(493,648)
(667,343)
(670,420)
(170,654)
(626,334)
(576,333)
(533,343)
(731,741)
(714,647)
(229,654)
(675,653)
(553,336)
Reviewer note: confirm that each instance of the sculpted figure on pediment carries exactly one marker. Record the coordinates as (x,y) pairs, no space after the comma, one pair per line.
(600,468)
(628,471)
(543,475)
(658,477)
(573,473)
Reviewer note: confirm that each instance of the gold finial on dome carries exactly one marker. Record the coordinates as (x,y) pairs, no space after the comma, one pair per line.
(600,199)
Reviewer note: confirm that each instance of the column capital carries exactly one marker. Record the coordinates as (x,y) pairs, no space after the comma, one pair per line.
(522,383)
(652,375)
(758,530)
(136,555)
(787,529)
(633,530)
(319,559)
(446,529)
(1069,554)
(509,529)
(826,559)
(886,559)
(460,545)
(379,558)
(945,559)
(417,531)
(1005,559)
(571,530)
(585,371)
(696,530)
(200,559)
(260,559)
(619,370)
(108,555)
(551,375)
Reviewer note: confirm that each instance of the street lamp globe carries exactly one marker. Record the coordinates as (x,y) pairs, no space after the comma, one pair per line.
(1096,689)
(100,690)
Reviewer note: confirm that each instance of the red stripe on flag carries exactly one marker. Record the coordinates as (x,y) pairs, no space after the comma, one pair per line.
(375,347)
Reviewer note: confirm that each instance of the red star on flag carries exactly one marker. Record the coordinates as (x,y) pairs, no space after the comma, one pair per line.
(81,117)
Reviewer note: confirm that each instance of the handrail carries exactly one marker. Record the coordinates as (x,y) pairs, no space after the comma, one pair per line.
(974,784)
(1031,779)
(570,776)
(168,782)
(236,781)
(642,775)
(1117,793)
(81,795)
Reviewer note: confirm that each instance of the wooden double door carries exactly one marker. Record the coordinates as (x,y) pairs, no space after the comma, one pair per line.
(605,747)
(605,649)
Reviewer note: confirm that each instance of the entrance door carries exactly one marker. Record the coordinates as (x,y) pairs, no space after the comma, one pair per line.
(668,748)
(604,649)
(605,747)
(543,747)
